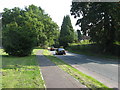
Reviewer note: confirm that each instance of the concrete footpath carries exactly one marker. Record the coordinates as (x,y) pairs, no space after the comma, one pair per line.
(55,77)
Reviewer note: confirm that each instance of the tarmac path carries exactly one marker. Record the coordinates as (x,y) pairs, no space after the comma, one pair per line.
(55,77)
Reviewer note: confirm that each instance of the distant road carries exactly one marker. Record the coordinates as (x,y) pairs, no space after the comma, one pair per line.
(103,70)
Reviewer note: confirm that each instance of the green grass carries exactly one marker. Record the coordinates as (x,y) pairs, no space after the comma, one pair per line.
(21,72)
(97,55)
(84,42)
(88,48)
(81,77)
(118,43)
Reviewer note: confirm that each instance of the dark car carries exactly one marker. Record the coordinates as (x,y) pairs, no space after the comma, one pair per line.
(52,48)
(60,51)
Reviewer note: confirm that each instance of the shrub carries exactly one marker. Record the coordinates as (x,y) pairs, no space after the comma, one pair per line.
(18,41)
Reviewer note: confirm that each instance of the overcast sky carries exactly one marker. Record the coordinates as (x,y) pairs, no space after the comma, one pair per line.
(57,9)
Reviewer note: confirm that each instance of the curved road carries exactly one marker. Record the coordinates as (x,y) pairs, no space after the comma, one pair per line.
(103,70)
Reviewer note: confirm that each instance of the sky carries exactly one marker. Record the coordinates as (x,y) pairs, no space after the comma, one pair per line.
(57,9)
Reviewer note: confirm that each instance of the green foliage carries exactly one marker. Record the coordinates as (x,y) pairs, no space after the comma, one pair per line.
(76,36)
(79,35)
(100,21)
(47,30)
(92,49)
(25,29)
(0,32)
(67,32)
(19,34)
(18,41)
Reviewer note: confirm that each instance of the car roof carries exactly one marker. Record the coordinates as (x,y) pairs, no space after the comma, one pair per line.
(61,49)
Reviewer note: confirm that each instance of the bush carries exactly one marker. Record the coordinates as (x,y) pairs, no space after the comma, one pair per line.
(18,41)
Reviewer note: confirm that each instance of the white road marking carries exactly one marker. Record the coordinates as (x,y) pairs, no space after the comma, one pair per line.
(93,60)
(101,62)
(114,65)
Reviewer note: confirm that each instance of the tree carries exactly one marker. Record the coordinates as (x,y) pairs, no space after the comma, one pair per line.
(76,37)
(19,34)
(46,28)
(99,21)
(0,30)
(79,35)
(25,29)
(67,32)
(51,31)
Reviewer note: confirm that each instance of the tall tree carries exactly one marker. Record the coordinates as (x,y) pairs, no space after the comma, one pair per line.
(0,30)
(67,32)
(98,20)
(19,34)
(47,29)
(79,35)
(24,29)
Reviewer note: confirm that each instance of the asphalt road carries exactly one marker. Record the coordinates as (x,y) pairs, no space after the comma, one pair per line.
(105,71)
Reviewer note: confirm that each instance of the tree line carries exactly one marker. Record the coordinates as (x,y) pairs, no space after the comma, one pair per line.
(23,29)
(101,21)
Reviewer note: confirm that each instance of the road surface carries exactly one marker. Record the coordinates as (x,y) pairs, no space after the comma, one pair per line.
(103,70)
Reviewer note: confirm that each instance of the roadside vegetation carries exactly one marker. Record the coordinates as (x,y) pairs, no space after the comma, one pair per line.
(67,34)
(23,29)
(22,72)
(89,48)
(81,77)
(101,22)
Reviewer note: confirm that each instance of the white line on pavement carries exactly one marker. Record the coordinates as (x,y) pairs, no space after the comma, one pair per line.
(93,60)
(101,62)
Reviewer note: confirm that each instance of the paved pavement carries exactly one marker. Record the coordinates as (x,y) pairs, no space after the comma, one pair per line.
(100,69)
(55,77)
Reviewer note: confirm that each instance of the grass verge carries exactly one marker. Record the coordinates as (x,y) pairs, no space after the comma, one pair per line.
(104,56)
(81,77)
(21,72)
(90,49)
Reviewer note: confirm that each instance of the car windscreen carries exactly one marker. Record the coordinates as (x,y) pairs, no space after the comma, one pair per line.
(61,49)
